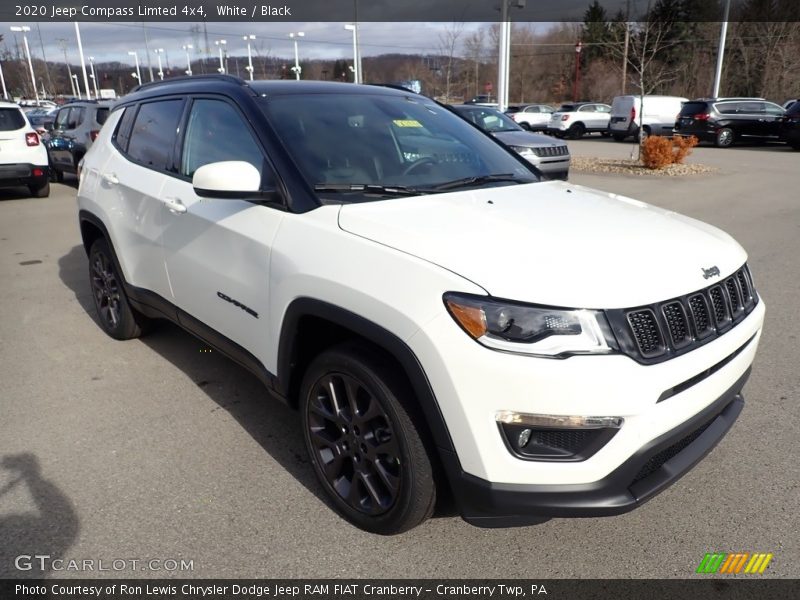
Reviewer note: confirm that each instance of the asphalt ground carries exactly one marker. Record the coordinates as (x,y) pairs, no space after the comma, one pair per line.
(159,449)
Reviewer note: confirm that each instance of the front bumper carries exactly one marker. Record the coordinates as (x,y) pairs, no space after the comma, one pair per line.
(656,466)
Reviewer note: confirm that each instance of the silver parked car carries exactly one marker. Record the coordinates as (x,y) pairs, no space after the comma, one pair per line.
(549,155)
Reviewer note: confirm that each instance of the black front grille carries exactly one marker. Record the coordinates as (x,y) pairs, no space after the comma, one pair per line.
(646,332)
(660,331)
(544,151)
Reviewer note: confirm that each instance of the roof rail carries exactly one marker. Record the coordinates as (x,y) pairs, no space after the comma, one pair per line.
(187,78)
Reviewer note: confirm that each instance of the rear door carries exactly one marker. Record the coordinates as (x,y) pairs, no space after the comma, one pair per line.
(773,120)
(61,144)
(146,141)
(750,117)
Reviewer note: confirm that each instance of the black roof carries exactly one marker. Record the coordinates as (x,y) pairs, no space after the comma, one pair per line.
(279,87)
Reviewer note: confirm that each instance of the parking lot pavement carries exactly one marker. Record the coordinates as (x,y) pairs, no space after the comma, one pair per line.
(159,449)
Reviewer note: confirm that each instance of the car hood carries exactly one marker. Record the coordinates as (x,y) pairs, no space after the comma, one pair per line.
(552,243)
(524,138)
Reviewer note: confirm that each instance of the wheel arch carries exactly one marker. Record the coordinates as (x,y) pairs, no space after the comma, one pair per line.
(311,326)
(92,229)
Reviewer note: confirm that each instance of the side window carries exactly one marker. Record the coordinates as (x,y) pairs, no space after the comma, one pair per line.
(100,115)
(61,118)
(587,108)
(123,133)
(532,109)
(215,132)
(751,108)
(774,110)
(728,108)
(602,108)
(154,132)
(75,117)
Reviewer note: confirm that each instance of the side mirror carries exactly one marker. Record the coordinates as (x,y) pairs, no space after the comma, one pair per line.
(48,126)
(227,179)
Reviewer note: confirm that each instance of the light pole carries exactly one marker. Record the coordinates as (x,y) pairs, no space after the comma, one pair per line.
(219,44)
(62,43)
(504,59)
(135,56)
(296,67)
(24,29)
(3,81)
(356,71)
(83,62)
(249,67)
(94,79)
(578,48)
(77,85)
(159,52)
(186,49)
(721,52)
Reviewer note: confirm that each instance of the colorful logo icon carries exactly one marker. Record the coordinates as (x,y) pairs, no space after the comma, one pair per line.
(735,562)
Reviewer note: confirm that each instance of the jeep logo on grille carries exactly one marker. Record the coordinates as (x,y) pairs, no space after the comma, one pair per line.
(709,273)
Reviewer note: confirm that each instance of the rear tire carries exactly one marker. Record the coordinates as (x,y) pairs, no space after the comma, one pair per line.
(41,191)
(367,451)
(115,314)
(525,126)
(576,131)
(618,137)
(724,138)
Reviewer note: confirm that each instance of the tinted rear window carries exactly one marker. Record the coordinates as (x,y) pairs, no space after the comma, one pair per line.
(101,116)
(794,109)
(11,119)
(567,108)
(693,108)
(154,132)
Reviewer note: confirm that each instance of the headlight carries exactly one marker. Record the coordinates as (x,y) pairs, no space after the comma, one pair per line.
(524,152)
(527,329)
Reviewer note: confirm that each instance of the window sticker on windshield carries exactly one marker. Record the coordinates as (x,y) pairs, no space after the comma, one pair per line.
(407,123)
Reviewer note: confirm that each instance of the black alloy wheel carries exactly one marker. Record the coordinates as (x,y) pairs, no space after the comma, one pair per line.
(366,450)
(115,314)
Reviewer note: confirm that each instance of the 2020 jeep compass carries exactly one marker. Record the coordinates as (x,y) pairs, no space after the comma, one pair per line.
(440,317)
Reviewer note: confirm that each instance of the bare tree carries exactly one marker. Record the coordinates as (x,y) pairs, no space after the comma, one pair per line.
(448,44)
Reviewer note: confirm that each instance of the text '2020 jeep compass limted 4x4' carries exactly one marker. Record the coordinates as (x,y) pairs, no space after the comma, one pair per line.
(442,319)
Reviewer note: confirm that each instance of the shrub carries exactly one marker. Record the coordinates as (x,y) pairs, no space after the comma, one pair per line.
(659,152)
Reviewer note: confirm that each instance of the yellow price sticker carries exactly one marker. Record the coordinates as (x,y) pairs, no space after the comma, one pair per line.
(407,123)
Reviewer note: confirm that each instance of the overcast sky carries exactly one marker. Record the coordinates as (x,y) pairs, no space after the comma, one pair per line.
(113,41)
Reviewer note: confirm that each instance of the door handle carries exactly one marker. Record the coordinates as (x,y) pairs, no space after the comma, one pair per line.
(174,205)
(110,178)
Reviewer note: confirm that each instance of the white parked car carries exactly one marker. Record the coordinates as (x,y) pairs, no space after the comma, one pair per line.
(23,157)
(534,117)
(657,118)
(576,119)
(441,319)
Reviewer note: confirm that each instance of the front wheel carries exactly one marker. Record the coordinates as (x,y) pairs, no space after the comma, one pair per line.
(365,447)
(724,137)
(577,131)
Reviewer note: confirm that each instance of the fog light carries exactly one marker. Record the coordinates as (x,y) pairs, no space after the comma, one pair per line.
(524,438)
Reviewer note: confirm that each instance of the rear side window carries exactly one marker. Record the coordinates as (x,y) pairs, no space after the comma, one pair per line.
(62,117)
(728,108)
(101,115)
(75,117)
(154,132)
(794,109)
(11,119)
(123,133)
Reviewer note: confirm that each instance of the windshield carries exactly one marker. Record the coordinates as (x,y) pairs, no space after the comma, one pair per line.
(488,119)
(395,144)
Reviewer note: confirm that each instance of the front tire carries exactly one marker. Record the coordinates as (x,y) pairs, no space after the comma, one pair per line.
(114,312)
(365,447)
(724,138)
(576,131)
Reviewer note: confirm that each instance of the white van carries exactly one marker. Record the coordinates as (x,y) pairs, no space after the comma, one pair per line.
(660,114)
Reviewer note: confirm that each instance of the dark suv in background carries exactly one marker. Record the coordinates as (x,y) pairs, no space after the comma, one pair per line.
(726,120)
(75,128)
(790,127)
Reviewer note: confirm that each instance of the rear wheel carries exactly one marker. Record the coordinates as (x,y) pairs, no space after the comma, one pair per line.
(576,131)
(365,447)
(114,312)
(525,126)
(724,137)
(618,137)
(40,191)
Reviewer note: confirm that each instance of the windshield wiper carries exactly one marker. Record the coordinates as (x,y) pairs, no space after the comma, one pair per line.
(477,180)
(368,188)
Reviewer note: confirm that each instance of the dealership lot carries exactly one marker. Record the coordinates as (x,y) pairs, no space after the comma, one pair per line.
(161,449)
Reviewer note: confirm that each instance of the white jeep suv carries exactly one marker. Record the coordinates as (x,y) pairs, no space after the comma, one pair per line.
(23,157)
(442,320)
